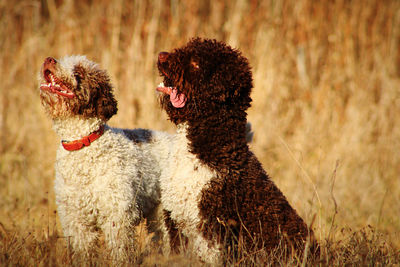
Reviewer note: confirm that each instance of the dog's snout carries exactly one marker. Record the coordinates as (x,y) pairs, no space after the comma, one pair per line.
(162,57)
(49,64)
(50,61)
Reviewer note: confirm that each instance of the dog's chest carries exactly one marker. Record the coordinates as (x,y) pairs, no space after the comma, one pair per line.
(98,172)
(87,166)
(181,186)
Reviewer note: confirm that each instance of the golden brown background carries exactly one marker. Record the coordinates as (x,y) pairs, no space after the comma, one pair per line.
(326,101)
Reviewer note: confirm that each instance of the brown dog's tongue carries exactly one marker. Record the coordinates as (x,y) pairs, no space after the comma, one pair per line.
(177,100)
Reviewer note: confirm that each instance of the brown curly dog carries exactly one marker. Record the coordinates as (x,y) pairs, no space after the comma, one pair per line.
(216,194)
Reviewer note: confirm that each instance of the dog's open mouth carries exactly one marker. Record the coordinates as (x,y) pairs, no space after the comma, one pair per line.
(178,100)
(55,85)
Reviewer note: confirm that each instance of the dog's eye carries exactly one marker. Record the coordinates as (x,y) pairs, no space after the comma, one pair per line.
(77,77)
(78,81)
(195,65)
(79,74)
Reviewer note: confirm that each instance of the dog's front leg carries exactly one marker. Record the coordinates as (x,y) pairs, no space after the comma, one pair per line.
(119,235)
(80,234)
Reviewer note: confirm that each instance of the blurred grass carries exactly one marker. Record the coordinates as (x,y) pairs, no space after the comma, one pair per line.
(326,104)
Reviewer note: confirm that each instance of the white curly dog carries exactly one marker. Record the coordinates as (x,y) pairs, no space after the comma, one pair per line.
(107,179)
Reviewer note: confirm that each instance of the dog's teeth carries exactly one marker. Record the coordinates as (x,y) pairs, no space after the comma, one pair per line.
(163,85)
(53,79)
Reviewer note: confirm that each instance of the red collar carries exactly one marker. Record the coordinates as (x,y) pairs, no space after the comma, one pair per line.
(85,141)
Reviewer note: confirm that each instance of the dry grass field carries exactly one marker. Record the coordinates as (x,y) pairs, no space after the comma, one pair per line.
(326,112)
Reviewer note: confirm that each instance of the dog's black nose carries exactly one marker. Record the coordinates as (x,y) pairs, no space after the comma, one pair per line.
(162,57)
(49,63)
(49,66)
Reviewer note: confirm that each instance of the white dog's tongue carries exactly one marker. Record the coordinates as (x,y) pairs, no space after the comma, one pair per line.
(177,100)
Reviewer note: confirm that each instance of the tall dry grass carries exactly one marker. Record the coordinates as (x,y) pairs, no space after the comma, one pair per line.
(326,107)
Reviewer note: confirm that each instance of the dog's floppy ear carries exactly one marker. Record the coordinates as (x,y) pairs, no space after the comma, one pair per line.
(232,82)
(106,103)
(96,93)
(231,88)
(102,103)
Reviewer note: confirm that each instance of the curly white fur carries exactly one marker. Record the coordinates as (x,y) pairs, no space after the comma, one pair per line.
(106,187)
(181,181)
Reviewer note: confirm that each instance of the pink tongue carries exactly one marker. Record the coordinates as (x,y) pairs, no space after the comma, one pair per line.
(177,100)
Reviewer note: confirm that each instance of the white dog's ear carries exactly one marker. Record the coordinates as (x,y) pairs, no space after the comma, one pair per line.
(95,92)
(106,103)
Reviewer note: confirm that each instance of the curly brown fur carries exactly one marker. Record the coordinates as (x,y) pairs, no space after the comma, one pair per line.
(215,82)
